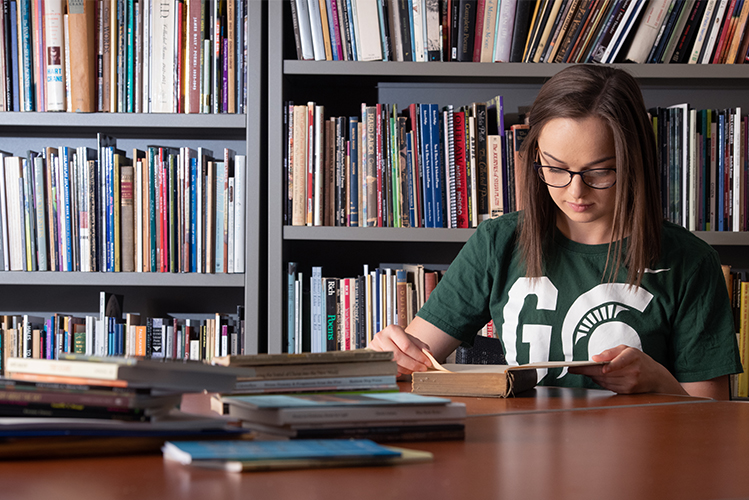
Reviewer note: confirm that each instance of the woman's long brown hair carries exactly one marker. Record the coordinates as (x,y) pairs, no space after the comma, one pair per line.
(613,96)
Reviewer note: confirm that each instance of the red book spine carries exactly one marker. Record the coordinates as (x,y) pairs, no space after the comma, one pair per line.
(724,32)
(378,142)
(416,166)
(310,161)
(461,185)
(480,6)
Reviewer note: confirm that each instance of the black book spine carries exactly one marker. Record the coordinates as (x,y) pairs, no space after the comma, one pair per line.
(663,35)
(466,29)
(684,47)
(149,337)
(479,113)
(405,18)
(523,13)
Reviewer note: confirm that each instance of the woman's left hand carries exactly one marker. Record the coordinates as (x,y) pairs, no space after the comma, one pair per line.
(630,371)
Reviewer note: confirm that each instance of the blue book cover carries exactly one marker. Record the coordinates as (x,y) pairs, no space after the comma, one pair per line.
(193,215)
(268,450)
(65,158)
(376,300)
(276,401)
(426,149)
(109,193)
(153,167)
(352,32)
(130,58)
(333,33)
(353,122)
(26,53)
(439,173)
(721,169)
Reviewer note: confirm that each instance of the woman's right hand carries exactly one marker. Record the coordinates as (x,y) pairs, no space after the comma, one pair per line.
(406,349)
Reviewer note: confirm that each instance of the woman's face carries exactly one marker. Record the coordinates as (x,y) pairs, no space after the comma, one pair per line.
(585,215)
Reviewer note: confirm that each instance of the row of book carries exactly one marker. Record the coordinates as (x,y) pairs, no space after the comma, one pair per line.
(340,314)
(424,167)
(454,167)
(128,56)
(704,167)
(112,333)
(571,31)
(326,314)
(96,209)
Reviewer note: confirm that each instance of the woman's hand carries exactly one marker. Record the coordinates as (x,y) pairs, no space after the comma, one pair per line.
(405,347)
(630,371)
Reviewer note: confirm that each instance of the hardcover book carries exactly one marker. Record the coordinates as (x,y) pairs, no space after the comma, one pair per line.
(451,379)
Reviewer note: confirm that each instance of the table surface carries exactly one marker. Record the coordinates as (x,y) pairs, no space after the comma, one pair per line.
(550,443)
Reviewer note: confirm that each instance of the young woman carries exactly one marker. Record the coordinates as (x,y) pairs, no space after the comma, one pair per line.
(589,269)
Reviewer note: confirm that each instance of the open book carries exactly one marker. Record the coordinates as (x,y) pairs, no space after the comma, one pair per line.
(482,380)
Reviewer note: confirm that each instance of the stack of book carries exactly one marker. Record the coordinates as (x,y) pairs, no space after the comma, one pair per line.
(395,416)
(82,405)
(358,370)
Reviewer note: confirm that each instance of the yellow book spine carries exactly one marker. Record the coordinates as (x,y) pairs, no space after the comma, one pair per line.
(743,389)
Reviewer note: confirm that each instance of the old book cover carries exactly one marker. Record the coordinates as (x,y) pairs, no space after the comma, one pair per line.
(126,218)
(82,57)
(451,379)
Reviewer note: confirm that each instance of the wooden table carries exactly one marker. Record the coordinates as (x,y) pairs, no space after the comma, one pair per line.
(560,443)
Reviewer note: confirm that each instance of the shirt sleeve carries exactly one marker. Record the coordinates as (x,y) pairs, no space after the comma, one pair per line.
(704,339)
(459,305)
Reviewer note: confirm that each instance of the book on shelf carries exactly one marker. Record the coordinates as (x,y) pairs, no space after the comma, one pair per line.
(76,209)
(449,379)
(237,456)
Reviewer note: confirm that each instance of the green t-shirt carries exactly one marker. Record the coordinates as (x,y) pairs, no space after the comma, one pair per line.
(680,315)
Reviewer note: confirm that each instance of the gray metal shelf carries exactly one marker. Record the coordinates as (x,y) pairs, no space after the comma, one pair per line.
(124,120)
(515,71)
(158,280)
(406,235)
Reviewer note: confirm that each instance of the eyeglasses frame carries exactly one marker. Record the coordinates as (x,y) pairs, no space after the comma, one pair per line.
(537,166)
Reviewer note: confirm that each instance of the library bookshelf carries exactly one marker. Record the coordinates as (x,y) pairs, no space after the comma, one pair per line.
(342,86)
(152,294)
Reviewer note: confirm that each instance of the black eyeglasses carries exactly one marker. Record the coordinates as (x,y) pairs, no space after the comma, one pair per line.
(597,178)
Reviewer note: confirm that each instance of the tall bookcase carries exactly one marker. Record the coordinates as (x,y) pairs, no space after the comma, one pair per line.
(154,294)
(342,86)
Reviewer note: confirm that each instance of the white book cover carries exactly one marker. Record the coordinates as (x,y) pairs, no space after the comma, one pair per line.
(5,261)
(368,27)
(319,157)
(490,30)
(647,30)
(240,188)
(138,212)
(162,61)
(715,28)
(3,90)
(305,32)
(54,41)
(13,179)
(315,23)
(231,191)
(316,314)
(503,36)
(738,171)
(702,33)
(417,8)
(633,10)
(433,30)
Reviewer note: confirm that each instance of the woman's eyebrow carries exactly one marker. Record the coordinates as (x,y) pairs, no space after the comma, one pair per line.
(589,164)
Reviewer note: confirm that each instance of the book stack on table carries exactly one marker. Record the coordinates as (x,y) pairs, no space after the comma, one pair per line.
(355,370)
(382,417)
(99,398)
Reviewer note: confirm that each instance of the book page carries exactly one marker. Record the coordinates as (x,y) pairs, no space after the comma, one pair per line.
(501,368)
